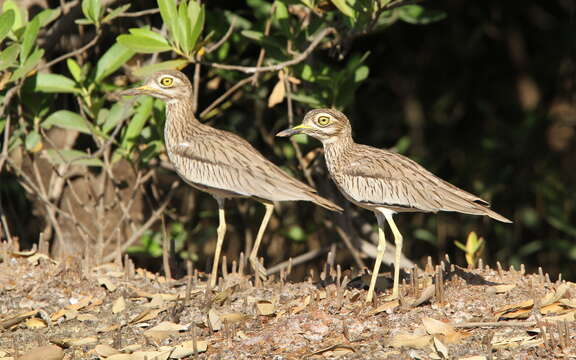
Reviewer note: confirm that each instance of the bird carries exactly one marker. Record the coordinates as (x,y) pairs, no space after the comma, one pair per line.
(383,182)
(219,162)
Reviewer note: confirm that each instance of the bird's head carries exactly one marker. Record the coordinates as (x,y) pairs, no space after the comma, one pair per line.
(167,85)
(326,125)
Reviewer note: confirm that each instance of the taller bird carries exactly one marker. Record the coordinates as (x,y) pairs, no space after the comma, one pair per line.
(219,162)
(383,181)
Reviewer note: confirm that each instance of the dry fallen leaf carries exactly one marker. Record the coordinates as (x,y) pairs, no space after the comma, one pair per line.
(445,332)
(440,348)
(120,357)
(386,307)
(186,349)
(515,311)
(215,321)
(474,357)
(410,340)
(68,314)
(79,304)
(232,317)
(48,352)
(265,308)
(570,316)
(35,323)
(163,330)
(107,283)
(554,296)
(500,289)
(87,317)
(513,342)
(149,355)
(147,315)
(277,94)
(105,350)
(119,305)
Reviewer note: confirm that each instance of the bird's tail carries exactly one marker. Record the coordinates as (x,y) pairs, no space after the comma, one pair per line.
(494,215)
(325,203)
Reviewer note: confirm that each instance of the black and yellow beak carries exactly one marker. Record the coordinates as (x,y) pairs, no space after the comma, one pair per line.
(293,131)
(140,90)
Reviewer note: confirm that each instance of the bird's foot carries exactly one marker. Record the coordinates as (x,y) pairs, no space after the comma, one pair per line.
(259,269)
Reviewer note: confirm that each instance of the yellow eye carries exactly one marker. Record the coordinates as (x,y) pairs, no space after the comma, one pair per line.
(166,81)
(323,120)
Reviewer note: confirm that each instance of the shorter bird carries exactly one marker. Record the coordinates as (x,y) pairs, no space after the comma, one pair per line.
(383,181)
(219,162)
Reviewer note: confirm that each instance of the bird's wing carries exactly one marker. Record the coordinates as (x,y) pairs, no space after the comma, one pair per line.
(225,161)
(384,178)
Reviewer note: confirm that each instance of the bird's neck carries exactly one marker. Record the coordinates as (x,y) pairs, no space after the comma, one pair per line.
(180,122)
(336,148)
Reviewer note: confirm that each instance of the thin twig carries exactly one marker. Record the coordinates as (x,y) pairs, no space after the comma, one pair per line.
(312,254)
(224,96)
(495,324)
(263,49)
(298,59)
(4,153)
(224,38)
(139,13)
(9,95)
(72,53)
(348,242)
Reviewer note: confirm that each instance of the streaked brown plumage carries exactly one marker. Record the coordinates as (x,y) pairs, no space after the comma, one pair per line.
(219,162)
(383,181)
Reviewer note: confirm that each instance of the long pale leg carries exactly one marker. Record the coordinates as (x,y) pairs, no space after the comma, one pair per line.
(398,242)
(379,255)
(221,232)
(259,270)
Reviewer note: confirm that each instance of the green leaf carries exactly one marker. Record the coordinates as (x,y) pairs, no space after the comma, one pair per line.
(32,140)
(2,125)
(75,69)
(29,65)
(143,44)
(166,65)
(344,8)
(282,16)
(47,16)
(93,10)
(115,13)
(253,35)
(6,23)
(87,9)
(137,123)
(20,15)
(67,120)
(196,16)
(83,21)
(75,157)
(184,26)
(29,39)
(418,15)
(296,233)
(54,83)
(117,113)
(169,14)
(8,56)
(112,60)
(361,73)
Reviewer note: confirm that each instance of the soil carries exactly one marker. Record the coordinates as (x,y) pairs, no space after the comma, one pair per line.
(70,309)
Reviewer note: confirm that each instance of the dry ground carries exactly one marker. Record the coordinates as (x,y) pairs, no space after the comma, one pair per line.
(54,310)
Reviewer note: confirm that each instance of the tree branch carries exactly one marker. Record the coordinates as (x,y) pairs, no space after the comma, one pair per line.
(298,59)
